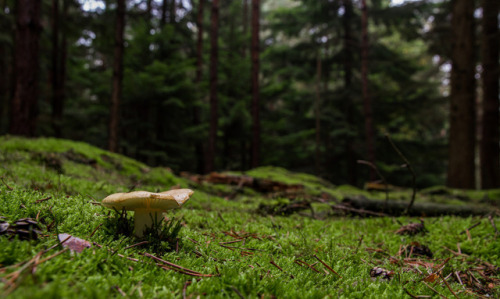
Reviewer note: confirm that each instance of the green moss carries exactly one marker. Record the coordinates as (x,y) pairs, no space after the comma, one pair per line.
(350,246)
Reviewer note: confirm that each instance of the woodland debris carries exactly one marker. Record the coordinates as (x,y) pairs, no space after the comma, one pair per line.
(416,249)
(24,228)
(397,208)
(73,243)
(284,209)
(381,272)
(260,185)
(79,158)
(412,229)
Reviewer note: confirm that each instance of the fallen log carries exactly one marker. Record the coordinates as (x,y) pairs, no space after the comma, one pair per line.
(397,208)
(259,185)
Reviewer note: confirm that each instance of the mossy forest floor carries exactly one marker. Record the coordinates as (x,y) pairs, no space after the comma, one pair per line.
(231,243)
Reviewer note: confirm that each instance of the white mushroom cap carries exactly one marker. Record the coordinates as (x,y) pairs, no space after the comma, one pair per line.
(147,205)
(144,200)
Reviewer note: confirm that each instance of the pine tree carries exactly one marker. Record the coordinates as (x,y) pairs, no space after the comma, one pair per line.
(214,52)
(462,97)
(255,83)
(367,101)
(24,104)
(489,152)
(114,120)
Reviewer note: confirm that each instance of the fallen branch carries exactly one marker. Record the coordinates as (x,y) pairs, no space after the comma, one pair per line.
(397,208)
(180,269)
(328,267)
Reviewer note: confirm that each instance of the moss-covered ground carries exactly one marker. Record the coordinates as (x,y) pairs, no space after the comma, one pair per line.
(248,253)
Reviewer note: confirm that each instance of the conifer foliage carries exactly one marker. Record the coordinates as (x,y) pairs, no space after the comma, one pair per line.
(309,85)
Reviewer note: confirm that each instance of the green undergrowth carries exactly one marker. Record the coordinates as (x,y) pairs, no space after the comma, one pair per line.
(248,253)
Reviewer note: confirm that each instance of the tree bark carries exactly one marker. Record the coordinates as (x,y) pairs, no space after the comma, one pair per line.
(200,160)
(54,72)
(173,11)
(214,52)
(462,97)
(4,73)
(163,17)
(61,90)
(255,84)
(116,95)
(317,113)
(367,102)
(352,165)
(149,10)
(26,63)
(489,150)
(245,23)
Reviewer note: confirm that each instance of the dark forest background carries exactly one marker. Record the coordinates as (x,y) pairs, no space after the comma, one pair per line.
(309,85)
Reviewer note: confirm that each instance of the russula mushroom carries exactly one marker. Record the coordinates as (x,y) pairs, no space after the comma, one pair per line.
(146,205)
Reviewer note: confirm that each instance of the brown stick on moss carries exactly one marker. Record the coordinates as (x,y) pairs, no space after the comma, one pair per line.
(407,165)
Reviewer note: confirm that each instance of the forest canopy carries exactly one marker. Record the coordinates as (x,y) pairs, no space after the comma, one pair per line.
(309,85)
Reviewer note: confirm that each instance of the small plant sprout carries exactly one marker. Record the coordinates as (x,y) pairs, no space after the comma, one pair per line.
(147,206)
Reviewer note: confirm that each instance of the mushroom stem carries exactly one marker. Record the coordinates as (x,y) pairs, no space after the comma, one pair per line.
(144,219)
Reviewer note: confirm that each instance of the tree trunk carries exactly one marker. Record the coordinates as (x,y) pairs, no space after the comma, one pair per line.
(4,73)
(114,123)
(244,152)
(173,11)
(149,10)
(26,62)
(200,160)
(163,17)
(462,97)
(255,84)
(349,103)
(214,49)
(367,102)
(317,107)
(489,153)
(54,72)
(61,90)
(245,24)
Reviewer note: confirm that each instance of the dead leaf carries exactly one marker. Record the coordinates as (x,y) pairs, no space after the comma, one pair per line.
(74,243)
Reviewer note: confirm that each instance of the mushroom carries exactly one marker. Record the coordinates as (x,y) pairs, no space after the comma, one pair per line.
(146,205)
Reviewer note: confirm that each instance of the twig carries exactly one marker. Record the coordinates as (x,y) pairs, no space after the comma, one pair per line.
(470,228)
(182,269)
(458,277)
(447,285)
(120,291)
(328,267)
(410,168)
(492,221)
(53,256)
(58,244)
(299,262)
(94,231)
(237,292)
(184,289)
(43,199)
(240,248)
(137,244)
(379,174)
(413,296)
(359,211)
(434,290)
(8,187)
(276,265)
